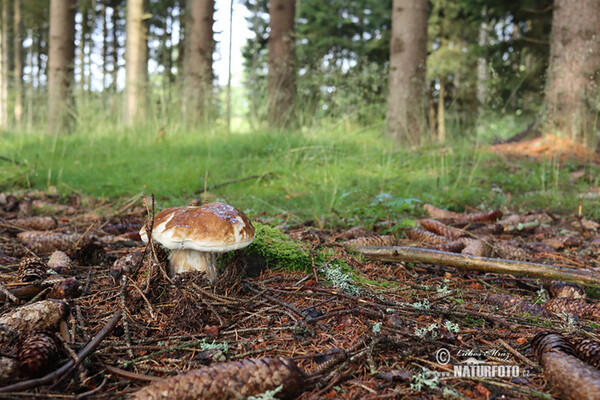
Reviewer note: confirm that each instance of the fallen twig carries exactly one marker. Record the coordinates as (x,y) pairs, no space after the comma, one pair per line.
(483,264)
(65,369)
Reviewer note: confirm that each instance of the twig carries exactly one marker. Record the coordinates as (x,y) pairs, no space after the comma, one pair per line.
(65,369)
(483,264)
(84,233)
(7,294)
(519,355)
(273,299)
(131,375)
(147,302)
(124,310)
(10,160)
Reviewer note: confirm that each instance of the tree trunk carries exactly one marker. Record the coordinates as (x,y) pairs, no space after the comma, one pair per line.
(18,57)
(408,51)
(198,61)
(482,68)
(115,49)
(281,79)
(4,65)
(61,54)
(574,70)
(441,118)
(136,81)
(83,8)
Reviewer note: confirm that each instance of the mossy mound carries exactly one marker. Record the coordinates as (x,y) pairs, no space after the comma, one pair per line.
(278,250)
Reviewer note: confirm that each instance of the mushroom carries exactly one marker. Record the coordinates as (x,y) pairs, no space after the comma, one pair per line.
(197,234)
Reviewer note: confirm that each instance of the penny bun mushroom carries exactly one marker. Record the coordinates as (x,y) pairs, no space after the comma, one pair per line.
(197,234)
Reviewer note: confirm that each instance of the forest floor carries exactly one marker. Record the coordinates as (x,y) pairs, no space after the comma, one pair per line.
(356,328)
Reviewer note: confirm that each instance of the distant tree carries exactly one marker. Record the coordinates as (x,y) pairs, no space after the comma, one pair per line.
(136,55)
(60,65)
(573,79)
(4,63)
(198,60)
(18,59)
(281,79)
(408,52)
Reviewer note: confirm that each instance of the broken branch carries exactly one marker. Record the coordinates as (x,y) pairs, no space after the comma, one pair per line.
(482,264)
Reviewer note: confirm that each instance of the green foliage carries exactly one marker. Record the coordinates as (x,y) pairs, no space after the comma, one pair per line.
(279,250)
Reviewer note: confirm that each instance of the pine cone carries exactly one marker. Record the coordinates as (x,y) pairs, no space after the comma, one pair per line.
(387,240)
(32,223)
(67,288)
(442,229)
(566,289)
(37,353)
(574,307)
(31,317)
(125,264)
(45,242)
(230,380)
(32,269)
(477,248)
(573,378)
(14,249)
(508,251)
(61,263)
(424,236)
(515,303)
(589,351)
(8,368)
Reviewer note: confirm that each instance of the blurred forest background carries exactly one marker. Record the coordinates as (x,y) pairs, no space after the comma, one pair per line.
(408,73)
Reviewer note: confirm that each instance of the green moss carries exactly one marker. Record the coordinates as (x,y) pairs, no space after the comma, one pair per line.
(278,250)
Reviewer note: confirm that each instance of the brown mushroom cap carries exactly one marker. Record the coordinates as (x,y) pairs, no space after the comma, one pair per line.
(213,227)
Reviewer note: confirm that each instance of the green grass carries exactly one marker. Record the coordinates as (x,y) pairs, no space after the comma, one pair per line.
(333,174)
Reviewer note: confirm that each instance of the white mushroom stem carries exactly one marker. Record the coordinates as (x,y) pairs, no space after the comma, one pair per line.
(193,260)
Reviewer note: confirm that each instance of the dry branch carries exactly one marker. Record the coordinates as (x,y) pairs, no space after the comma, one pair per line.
(482,264)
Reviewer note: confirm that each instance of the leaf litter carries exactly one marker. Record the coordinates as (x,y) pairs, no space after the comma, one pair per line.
(87,310)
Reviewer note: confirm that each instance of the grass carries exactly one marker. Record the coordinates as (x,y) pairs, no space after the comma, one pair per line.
(333,174)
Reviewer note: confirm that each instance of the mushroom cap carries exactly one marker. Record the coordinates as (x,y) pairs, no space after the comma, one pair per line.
(213,227)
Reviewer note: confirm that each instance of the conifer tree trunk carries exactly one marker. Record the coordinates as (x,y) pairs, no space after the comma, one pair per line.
(408,51)
(198,61)
(281,79)
(115,49)
(18,59)
(4,64)
(136,55)
(573,79)
(61,55)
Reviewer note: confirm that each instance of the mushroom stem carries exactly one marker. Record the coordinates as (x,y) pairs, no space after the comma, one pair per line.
(193,260)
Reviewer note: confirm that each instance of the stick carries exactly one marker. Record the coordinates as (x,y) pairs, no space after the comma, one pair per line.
(483,264)
(82,355)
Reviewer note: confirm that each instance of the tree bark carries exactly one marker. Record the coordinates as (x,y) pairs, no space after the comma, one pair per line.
(18,57)
(61,55)
(574,70)
(4,64)
(441,117)
(115,49)
(408,51)
(136,81)
(281,79)
(198,61)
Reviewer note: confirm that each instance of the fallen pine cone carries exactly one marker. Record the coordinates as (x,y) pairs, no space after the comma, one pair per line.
(563,305)
(37,353)
(45,242)
(8,368)
(573,378)
(510,252)
(424,236)
(32,269)
(477,248)
(515,303)
(32,223)
(232,380)
(61,263)
(589,351)
(31,317)
(566,289)
(442,229)
(387,240)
